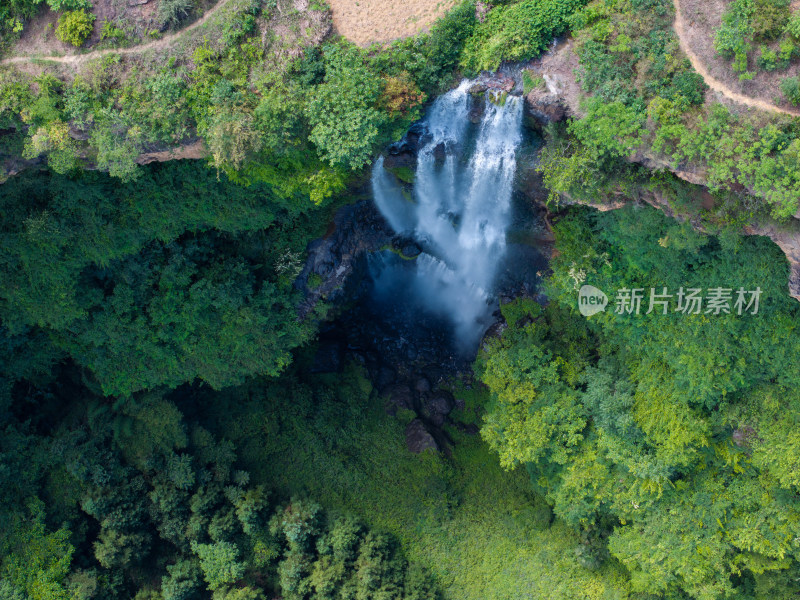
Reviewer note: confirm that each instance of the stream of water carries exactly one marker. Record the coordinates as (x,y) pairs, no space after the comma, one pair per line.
(458,212)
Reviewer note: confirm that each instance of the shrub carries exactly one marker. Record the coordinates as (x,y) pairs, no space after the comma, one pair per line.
(793,26)
(691,86)
(791,89)
(345,124)
(767,59)
(400,95)
(732,38)
(769,19)
(59,5)
(786,52)
(172,12)
(75,26)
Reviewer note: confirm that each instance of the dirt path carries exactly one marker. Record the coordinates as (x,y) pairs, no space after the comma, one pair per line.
(75,59)
(713,83)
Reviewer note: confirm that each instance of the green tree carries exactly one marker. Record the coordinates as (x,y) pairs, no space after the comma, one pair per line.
(219,562)
(345,122)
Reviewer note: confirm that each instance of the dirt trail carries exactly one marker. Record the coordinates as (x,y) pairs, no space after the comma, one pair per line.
(75,59)
(713,83)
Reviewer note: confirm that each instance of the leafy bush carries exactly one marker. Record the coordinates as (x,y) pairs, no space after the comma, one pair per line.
(732,39)
(793,26)
(790,87)
(75,26)
(516,32)
(787,51)
(691,86)
(769,19)
(767,59)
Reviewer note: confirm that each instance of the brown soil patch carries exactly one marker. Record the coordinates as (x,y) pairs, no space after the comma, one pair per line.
(696,24)
(367,21)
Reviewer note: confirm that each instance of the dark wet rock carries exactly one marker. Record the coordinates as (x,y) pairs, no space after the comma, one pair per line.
(468,428)
(401,396)
(411,250)
(478,88)
(497,82)
(408,247)
(356,230)
(441,402)
(440,152)
(435,407)
(402,160)
(494,332)
(476,110)
(422,385)
(384,378)
(418,438)
(328,358)
(545,108)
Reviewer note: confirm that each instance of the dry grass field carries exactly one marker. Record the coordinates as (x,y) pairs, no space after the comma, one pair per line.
(368,21)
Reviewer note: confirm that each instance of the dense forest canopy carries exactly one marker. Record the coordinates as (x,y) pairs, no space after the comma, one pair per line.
(166,432)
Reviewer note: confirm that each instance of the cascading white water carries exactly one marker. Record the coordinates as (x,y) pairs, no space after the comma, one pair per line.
(460,208)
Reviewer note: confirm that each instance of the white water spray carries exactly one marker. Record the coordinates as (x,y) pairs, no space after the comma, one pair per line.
(460,208)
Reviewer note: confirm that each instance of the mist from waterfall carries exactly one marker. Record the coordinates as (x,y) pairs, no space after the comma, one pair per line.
(458,211)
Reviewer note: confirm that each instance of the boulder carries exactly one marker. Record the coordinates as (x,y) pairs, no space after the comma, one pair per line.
(436,406)
(440,152)
(401,160)
(478,88)
(400,396)
(441,402)
(418,438)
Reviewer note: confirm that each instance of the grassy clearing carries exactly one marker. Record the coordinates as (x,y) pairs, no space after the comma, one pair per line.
(480,530)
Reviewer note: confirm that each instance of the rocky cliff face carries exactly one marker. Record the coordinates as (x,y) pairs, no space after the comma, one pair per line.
(560,97)
(190,149)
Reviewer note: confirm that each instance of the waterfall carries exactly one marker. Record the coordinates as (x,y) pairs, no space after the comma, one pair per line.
(459,208)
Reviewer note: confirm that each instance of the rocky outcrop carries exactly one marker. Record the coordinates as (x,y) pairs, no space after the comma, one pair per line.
(191,149)
(559,95)
(356,230)
(418,438)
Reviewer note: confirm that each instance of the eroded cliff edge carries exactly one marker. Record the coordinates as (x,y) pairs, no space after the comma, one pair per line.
(559,98)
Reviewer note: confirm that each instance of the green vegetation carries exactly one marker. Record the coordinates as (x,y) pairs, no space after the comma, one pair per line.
(103,269)
(164,434)
(649,432)
(531,81)
(75,26)
(631,65)
(516,31)
(14,14)
(765,21)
